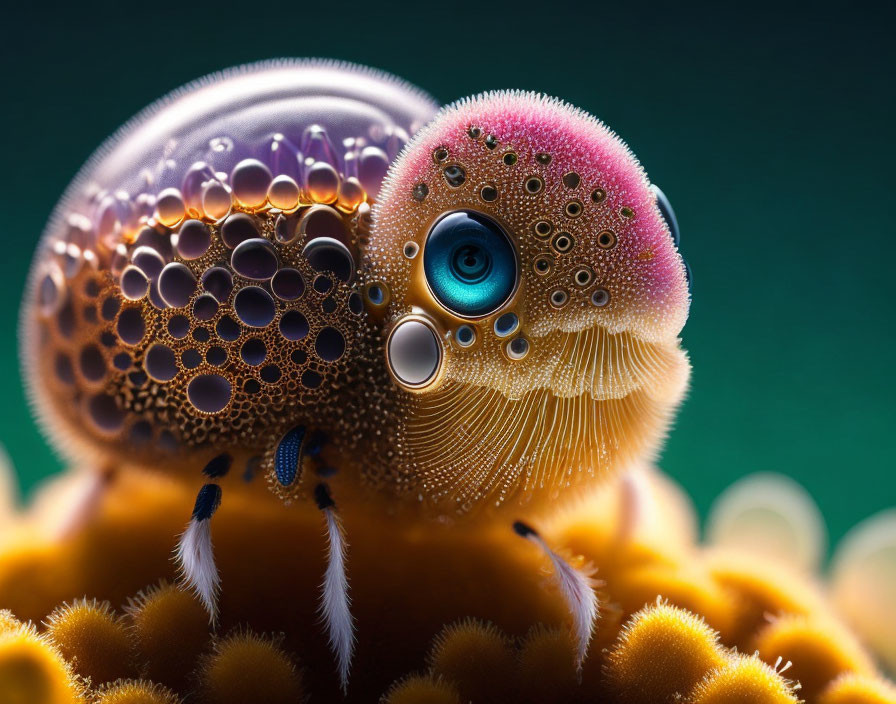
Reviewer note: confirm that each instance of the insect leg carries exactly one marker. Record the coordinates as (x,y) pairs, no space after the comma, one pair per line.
(194,553)
(577,588)
(335,601)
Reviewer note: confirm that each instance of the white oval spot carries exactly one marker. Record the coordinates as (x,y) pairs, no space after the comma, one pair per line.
(414,353)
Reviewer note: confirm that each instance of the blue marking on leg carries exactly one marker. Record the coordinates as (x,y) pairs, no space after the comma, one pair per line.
(288,457)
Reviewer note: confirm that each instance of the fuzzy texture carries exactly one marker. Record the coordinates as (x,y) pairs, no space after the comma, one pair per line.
(196,557)
(271,558)
(136,692)
(644,272)
(577,588)
(94,638)
(335,601)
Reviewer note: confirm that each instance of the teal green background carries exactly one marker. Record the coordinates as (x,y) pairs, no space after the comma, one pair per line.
(771,130)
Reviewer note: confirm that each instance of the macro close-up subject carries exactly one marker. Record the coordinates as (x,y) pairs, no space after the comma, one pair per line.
(326,389)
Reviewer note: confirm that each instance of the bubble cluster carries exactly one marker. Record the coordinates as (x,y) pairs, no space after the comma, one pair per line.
(219,297)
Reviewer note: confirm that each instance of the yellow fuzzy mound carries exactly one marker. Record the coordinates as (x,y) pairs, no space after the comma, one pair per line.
(445,613)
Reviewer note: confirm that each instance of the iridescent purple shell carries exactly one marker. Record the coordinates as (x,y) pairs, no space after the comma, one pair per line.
(161,254)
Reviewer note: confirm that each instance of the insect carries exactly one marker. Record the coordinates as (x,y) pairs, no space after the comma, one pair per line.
(301,269)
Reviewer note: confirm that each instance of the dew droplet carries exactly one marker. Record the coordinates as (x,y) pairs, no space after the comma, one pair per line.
(193,239)
(250,180)
(176,284)
(255,259)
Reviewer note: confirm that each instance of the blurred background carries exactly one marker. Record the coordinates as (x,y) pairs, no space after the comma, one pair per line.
(771,131)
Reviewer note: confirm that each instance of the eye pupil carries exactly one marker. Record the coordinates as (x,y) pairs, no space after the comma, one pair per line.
(469,263)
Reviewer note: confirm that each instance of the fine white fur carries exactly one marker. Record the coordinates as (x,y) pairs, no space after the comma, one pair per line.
(196,558)
(334,604)
(578,590)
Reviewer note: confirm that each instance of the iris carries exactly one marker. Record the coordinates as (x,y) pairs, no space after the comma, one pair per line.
(470,264)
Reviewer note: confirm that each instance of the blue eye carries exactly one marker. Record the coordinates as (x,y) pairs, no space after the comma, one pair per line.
(469,263)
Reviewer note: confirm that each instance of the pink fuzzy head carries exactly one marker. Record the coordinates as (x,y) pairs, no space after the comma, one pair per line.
(592,246)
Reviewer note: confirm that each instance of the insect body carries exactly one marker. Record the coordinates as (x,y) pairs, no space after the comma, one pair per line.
(237,278)
(199,288)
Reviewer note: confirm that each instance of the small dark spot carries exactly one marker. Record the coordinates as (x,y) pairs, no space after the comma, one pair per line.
(209,393)
(227,329)
(288,284)
(455,175)
(293,325)
(519,347)
(627,212)
(510,158)
(330,255)
(542,266)
(543,158)
(559,298)
(534,185)
(522,529)
(122,361)
(571,179)
(474,132)
(178,326)
(376,294)
(190,358)
(598,195)
(583,277)
(543,228)
(573,209)
(491,141)
(216,356)
(419,192)
(322,284)
(205,307)
(218,281)
(130,326)
(440,154)
(489,194)
(254,306)
(606,239)
(563,242)
(329,344)
(109,308)
(253,351)
(237,228)
(160,363)
(600,297)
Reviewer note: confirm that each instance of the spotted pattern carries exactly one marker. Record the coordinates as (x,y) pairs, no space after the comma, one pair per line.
(209,332)
(249,295)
